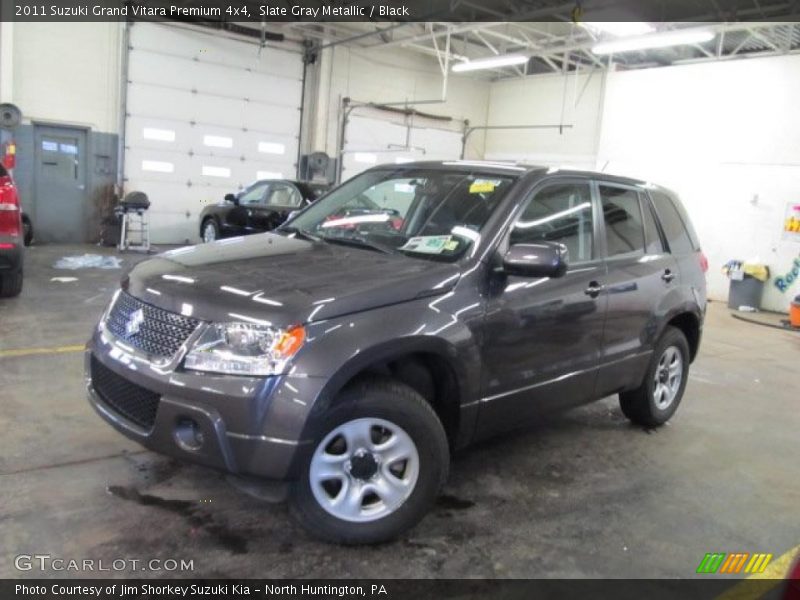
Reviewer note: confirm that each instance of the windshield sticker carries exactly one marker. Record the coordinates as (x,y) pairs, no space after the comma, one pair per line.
(451,245)
(427,244)
(484,186)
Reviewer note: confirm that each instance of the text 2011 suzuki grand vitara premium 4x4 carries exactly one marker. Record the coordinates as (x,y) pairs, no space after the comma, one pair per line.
(414,309)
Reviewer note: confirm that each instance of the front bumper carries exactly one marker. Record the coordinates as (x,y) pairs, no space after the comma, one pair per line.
(234,415)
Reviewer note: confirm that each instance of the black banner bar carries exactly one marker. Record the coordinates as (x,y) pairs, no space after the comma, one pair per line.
(310,11)
(391,589)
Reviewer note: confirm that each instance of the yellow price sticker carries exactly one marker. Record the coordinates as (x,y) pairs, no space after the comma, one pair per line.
(482,187)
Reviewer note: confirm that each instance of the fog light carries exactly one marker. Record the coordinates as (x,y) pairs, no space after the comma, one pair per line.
(188,435)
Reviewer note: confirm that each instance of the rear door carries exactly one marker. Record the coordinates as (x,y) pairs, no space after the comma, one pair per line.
(682,242)
(641,275)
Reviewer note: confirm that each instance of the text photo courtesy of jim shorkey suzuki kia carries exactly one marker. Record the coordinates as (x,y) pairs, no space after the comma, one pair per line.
(193,590)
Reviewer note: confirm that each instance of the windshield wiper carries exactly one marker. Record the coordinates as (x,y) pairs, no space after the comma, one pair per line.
(301,233)
(358,242)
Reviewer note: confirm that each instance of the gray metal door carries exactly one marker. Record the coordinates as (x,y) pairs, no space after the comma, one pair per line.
(60,184)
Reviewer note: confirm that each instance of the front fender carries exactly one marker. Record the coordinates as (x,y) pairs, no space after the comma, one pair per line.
(337,350)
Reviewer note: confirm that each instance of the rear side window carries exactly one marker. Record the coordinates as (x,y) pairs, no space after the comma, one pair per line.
(673,225)
(651,235)
(623,219)
(559,213)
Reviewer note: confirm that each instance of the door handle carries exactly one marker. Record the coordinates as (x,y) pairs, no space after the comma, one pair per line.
(594,289)
(668,276)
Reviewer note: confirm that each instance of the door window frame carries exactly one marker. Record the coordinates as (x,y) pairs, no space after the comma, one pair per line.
(643,197)
(597,255)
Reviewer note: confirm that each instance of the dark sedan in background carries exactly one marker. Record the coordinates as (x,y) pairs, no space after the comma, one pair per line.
(258,208)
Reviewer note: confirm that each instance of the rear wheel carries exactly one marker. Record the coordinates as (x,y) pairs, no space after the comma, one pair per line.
(11,284)
(210,231)
(376,468)
(656,400)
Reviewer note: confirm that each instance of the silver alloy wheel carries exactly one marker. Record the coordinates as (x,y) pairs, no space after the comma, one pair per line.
(209,232)
(668,377)
(364,470)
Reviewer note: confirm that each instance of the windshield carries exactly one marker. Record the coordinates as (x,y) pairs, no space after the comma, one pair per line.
(424,213)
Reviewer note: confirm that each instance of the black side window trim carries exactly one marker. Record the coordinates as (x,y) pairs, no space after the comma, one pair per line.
(647,204)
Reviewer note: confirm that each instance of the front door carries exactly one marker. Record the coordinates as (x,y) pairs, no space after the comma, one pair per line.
(542,336)
(60,184)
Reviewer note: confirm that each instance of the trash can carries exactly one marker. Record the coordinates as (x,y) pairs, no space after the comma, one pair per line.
(747,284)
(745,292)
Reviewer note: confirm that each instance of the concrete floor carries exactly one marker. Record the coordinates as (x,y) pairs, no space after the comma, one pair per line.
(583,495)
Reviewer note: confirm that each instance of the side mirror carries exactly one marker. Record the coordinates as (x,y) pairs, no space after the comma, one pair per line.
(545,259)
(292,215)
(232,198)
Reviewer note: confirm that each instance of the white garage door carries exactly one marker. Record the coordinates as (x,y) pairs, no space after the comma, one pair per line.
(206,115)
(375,138)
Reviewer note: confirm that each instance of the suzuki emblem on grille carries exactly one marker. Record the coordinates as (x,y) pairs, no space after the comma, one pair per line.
(135,322)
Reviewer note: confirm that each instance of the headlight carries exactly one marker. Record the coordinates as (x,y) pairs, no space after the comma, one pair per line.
(244,349)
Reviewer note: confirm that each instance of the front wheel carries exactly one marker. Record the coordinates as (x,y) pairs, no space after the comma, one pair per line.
(375,469)
(210,231)
(656,400)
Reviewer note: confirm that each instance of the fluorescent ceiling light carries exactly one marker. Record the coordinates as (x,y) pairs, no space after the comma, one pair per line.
(490,63)
(661,40)
(622,28)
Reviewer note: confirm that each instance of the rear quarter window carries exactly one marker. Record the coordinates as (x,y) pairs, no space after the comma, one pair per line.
(675,223)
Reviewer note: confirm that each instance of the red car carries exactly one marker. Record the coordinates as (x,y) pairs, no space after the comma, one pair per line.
(11,237)
(792,589)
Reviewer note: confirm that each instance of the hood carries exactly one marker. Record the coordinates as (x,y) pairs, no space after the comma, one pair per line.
(283,281)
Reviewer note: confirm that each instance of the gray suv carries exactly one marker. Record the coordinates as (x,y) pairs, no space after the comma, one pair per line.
(413,310)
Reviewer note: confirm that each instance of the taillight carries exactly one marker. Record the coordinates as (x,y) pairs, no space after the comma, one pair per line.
(703,262)
(10,217)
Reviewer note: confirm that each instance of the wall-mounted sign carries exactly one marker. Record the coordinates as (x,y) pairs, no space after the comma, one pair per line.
(791,222)
(784,282)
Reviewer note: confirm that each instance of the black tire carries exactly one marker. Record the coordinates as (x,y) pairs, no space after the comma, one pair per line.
(11,284)
(27,228)
(210,222)
(640,405)
(387,400)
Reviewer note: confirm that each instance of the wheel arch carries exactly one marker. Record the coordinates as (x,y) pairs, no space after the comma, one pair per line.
(689,324)
(209,217)
(428,365)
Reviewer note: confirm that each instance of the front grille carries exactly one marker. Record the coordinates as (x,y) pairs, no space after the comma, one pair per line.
(128,399)
(160,333)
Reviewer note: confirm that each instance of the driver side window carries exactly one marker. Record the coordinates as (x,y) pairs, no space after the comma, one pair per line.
(254,195)
(559,213)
